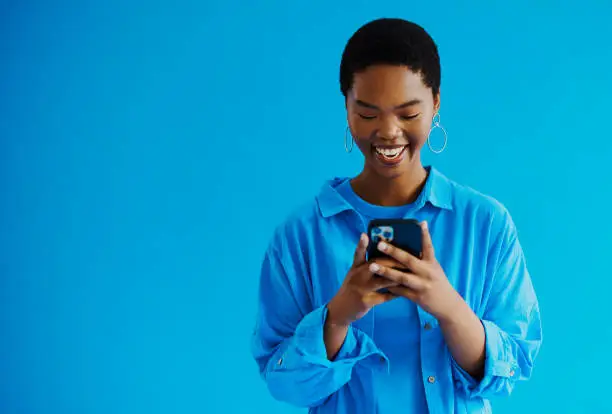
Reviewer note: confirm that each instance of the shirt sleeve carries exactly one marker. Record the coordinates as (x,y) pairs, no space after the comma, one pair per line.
(511,321)
(288,344)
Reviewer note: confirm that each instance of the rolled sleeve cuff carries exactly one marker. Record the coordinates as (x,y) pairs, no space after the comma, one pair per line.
(309,346)
(499,365)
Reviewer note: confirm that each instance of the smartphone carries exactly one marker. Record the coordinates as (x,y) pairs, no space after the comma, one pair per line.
(405,234)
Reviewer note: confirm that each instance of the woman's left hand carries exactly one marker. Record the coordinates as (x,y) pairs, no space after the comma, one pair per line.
(425,283)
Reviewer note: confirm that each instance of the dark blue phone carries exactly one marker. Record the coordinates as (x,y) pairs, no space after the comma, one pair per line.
(405,234)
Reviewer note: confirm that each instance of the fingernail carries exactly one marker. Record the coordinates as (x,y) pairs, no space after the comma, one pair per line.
(374,268)
(382,246)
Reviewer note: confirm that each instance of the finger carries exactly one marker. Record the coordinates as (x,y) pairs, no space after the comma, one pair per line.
(360,252)
(428,249)
(377,283)
(369,279)
(403,292)
(406,259)
(389,262)
(406,279)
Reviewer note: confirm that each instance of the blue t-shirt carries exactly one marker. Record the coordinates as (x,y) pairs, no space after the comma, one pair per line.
(396,325)
(394,359)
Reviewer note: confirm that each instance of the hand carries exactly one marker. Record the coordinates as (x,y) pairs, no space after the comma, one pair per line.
(359,291)
(425,284)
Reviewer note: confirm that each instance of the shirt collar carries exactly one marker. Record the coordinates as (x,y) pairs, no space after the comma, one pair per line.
(437,191)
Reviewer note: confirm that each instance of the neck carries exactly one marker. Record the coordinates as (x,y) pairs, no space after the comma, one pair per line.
(389,192)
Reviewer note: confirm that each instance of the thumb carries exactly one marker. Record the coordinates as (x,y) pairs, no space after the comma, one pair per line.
(428,249)
(360,252)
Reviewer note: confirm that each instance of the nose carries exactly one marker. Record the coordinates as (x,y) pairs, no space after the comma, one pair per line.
(389,129)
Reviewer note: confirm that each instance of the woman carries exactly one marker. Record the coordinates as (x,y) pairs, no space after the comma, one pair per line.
(461,326)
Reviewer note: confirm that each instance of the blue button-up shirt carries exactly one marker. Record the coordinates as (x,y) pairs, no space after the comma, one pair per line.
(394,359)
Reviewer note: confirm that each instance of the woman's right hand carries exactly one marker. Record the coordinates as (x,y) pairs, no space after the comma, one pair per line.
(359,291)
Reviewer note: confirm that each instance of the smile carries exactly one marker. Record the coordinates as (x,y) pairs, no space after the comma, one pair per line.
(390,155)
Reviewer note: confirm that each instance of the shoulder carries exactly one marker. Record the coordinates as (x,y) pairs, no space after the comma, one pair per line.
(310,216)
(299,219)
(481,208)
(295,228)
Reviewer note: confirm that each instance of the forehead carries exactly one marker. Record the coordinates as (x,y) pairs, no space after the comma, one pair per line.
(388,83)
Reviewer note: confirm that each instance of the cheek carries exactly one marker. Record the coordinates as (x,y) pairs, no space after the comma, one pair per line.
(363,145)
(363,131)
(418,132)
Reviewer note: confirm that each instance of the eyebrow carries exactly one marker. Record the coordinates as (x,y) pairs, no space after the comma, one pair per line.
(404,105)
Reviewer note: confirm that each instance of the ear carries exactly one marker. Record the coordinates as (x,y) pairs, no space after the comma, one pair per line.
(436,103)
(347,109)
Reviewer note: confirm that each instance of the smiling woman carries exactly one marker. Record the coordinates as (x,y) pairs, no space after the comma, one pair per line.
(389,111)
(340,333)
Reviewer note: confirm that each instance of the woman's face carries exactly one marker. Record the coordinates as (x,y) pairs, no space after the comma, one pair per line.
(390,113)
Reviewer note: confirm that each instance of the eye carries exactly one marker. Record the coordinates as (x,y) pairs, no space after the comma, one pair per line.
(367,117)
(408,117)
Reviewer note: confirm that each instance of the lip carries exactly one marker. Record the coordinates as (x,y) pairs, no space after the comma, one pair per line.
(388,146)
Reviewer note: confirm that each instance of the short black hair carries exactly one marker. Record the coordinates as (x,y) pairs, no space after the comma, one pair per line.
(391,41)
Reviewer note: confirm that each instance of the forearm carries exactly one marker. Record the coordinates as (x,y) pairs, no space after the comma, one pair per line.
(333,336)
(465,338)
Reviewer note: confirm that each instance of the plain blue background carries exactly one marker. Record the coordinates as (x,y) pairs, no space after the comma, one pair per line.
(148,149)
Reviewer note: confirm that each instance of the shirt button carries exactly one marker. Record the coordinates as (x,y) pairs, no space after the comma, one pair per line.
(511,373)
(427,326)
(431,379)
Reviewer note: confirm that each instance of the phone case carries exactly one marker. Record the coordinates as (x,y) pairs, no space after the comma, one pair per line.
(403,233)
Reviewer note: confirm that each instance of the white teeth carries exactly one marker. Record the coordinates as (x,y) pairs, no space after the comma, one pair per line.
(389,152)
